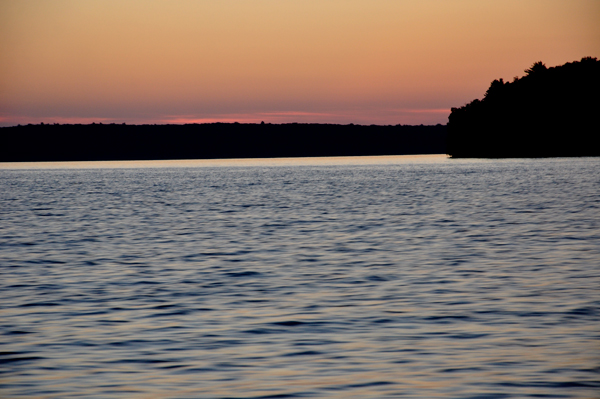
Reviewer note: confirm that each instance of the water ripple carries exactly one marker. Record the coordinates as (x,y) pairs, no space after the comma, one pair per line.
(436,278)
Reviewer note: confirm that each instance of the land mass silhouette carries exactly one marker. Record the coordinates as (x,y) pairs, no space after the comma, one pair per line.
(96,142)
(549,112)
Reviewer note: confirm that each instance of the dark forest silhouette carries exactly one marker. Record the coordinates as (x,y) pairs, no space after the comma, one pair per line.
(550,112)
(56,142)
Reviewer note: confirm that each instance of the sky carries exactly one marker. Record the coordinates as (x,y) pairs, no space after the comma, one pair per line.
(278,61)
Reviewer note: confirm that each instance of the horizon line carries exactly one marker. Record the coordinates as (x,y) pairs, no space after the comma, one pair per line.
(215,123)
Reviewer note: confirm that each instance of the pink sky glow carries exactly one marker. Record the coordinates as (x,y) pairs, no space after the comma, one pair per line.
(408,116)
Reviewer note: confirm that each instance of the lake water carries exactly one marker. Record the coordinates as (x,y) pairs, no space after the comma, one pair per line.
(411,277)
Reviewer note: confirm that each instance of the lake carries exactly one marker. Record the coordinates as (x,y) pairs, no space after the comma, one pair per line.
(368,277)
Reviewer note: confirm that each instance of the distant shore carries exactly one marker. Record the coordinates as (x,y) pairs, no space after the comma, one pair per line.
(112,142)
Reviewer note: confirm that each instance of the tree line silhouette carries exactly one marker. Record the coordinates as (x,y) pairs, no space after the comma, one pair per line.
(549,112)
(76,142)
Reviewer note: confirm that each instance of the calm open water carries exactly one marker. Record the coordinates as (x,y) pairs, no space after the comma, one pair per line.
(412,277)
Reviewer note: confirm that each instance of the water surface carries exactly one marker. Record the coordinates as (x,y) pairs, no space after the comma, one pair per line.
(413,277)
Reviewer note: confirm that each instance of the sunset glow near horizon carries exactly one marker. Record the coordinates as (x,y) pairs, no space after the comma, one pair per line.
(322,61)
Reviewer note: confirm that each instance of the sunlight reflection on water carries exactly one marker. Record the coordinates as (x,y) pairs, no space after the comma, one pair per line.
(196,163)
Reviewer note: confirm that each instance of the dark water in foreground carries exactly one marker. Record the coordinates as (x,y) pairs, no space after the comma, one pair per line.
(416,278)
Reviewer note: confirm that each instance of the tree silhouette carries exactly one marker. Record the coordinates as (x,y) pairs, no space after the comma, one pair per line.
(538,67)
(548,112)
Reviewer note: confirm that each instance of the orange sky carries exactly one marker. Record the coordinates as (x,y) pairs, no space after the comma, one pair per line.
(337,61)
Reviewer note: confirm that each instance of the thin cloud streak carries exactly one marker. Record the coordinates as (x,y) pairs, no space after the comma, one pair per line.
(379,117)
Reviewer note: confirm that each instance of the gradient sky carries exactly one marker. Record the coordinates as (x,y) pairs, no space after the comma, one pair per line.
(334,61)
